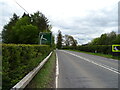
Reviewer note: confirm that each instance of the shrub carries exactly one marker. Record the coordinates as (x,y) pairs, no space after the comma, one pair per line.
(18,60)
(104,49)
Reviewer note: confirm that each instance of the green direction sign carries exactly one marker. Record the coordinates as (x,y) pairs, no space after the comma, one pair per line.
(45,38)
(115,48)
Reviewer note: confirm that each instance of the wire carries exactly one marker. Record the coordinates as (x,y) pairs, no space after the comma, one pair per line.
(21,6)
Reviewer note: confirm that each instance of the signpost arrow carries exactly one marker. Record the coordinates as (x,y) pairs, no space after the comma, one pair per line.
(45,38)
(115,48)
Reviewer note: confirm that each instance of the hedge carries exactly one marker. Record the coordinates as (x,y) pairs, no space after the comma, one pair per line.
(18,60)
(104,49)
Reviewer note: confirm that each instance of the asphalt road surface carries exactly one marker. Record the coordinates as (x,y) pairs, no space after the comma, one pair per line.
(80,70)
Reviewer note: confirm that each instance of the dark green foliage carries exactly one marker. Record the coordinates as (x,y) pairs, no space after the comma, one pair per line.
(7,29)
(25,30)
(18,60)
(27,34)
(102,44)
(104,49)
(106,39)
(38,19)
(24,14)
(117,39)
(53,44)
(59,40)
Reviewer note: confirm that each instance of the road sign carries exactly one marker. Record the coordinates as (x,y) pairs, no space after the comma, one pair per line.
(115,48)
(45,38)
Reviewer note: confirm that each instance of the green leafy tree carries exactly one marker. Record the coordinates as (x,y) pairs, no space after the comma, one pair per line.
(117,40)
(38,19)
(25,32)
(59,40)
(103,40)
(18,30)
(53,42)
(106,39)
(95,41)
(111,38)
(8,31)
(24,14)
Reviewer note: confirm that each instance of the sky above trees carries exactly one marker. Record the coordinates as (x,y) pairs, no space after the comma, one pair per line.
(83,19)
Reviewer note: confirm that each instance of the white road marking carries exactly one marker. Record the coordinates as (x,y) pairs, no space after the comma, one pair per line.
(98,64)
(113,60)
(57,71)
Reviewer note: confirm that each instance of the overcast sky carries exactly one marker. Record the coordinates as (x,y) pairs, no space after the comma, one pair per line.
(83,19)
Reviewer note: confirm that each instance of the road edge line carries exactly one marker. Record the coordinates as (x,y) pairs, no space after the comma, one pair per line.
(57,71)
(94,62)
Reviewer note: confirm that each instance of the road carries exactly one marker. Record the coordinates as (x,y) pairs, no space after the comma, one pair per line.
(80,70)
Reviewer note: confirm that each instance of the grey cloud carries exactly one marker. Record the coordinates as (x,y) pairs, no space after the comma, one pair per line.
(6,13)
(88,27)
(91,26)
(100,18)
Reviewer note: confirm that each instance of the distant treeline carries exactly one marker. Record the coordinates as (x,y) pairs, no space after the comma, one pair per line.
(102,44)
(106,39)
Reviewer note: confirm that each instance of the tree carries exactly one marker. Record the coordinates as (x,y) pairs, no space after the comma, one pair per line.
(38,19)
(66,41)
(103,40)
(25,32)
(24,14)
(111,37)
(106,39)
(59,40)
(95,41)
(117,40)
(7,29)
(18,29)
(70,41)
(53,42)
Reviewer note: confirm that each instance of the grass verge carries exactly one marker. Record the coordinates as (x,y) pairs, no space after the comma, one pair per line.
(98,54)
(45,78)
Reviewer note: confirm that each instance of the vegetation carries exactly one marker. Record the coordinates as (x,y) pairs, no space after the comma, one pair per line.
(106,39)
(20,54)
(105,49)
(46,76)
(59,40)
(101,45)
(25,30)
(66,40)
(20,59)
(70,41)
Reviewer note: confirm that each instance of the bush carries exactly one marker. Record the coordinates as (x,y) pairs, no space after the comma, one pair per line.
(18,60)
(104,49)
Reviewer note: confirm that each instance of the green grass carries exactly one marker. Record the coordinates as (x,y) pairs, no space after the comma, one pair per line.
(98,54)
(46,76)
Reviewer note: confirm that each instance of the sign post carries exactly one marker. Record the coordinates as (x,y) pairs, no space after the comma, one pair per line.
(115,48)
(45,38)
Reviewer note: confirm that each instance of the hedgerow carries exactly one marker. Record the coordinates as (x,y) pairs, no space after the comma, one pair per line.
(18,60)
(104,49)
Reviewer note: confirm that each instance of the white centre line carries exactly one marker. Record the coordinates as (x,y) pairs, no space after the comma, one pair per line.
(98,64)
(57,71)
